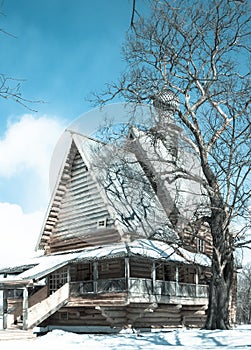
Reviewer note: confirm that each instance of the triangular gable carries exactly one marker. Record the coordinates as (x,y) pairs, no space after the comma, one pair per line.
(77,215)
(180,192)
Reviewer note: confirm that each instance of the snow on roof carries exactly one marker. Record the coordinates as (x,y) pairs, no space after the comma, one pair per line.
(142,247)
(21,265)
(154,250)
(129,194)
(182,182)
(48,264)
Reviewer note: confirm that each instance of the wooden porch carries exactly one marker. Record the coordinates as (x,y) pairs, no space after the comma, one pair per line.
(136,278)
(142,288)
(106,287)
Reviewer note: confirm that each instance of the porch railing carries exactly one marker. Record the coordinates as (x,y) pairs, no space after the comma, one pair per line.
(112,285)
(138,286)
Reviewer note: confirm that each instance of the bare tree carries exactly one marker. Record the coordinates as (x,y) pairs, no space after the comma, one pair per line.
(130,193)
(10,87)
(200,51)
(244,296)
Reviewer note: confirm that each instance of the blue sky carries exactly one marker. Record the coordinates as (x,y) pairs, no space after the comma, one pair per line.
(63,50)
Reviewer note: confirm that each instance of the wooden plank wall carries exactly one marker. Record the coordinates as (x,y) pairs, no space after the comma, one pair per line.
(140,268)
(107,269)
(111,269)
(135,315)
(79,216)
(55,206)
(191,235)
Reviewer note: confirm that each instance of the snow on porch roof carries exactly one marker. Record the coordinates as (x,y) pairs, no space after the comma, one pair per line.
(154,250)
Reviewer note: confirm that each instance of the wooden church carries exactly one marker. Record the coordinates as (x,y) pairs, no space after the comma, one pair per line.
(115,254)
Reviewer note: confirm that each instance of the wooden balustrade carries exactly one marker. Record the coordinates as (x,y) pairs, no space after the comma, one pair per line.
(40,311)
(140,286)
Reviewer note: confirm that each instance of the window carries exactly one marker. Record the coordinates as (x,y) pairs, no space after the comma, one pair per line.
(201,245)
(101,223)
(57,279)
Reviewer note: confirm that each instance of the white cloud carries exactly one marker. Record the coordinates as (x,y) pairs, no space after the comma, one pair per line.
(28,145)
(25,154)
(19,233)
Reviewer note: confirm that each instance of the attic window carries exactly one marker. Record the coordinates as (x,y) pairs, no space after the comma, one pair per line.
(201,245)
(101,223)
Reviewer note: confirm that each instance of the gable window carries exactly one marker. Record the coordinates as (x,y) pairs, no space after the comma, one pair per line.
(101,223)
(201,245)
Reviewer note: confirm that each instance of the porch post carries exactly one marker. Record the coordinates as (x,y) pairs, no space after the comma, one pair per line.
(25,308)
(176,280)
(5,308)
(153,277)
(68,274)
(95,276)
(127,272)
(196,283)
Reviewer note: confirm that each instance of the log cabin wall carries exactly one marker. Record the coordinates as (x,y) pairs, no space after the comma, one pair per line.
(79,216)
(81,272)
(197,238)
(104,300)
(53,210)
(140,268)
(166,272)
(108,269)
(136,315)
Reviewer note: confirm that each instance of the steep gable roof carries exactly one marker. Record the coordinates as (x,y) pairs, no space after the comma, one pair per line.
(91,206)
(77,204)
(177,178)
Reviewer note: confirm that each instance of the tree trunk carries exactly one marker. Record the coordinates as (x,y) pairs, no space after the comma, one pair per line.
(218,316)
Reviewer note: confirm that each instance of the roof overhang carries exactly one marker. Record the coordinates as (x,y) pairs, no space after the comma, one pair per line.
(141,248)
(15,284)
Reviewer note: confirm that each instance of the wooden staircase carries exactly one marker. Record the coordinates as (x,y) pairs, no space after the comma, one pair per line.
(42,310)
(33,299)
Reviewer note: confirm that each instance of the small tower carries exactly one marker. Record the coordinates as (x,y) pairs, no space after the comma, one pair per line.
(167,103)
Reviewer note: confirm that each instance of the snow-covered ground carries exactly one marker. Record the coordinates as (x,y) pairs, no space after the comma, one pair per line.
(178,339)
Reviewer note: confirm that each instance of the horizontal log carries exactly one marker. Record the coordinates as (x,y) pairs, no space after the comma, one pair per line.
(96,303)
(88,322)
(86,209)
(54,210)
(51,220)
(81,221)
(149,324)
(91,234)
(76,199)
(84,241)
(194,307)
(170,307)
(193,313)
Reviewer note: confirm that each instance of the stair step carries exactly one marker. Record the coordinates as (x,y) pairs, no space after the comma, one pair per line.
(16,334)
